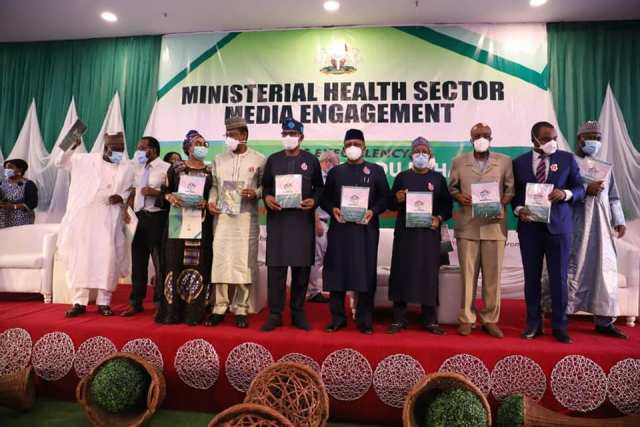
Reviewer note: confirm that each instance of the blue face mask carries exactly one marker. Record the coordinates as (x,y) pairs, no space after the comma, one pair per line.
(116,157)
(200,152)
(420,160)
(140,157)
(591,147)
(9,173)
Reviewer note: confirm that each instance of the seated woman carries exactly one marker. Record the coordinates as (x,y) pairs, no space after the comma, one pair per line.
(415,261)
(18,195)
(188,261)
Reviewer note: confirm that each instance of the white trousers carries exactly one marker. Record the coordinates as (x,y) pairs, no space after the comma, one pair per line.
(315,276)
(81,296)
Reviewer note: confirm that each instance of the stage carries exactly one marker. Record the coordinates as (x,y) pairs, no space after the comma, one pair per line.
(365,384)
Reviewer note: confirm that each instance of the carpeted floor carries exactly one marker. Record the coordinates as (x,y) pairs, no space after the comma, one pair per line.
(55,413)
(430,351)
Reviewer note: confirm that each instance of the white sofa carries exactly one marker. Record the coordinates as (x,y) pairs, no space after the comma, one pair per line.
(26,259)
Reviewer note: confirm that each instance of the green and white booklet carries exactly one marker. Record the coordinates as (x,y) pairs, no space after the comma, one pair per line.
(289,191)
(229,197)
(485,200)
(354,203)
(537,201)
(593,170)
(419,209)
(185,223)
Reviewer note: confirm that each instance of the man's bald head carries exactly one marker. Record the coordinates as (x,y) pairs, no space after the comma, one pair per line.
(480,130)
(114,142)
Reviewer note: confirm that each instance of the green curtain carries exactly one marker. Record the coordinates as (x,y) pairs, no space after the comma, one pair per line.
(89,70)
(583,58)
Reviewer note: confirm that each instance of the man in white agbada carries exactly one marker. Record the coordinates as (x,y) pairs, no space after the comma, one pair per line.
(593,273)
(91,242)
(233,200)
(328,160)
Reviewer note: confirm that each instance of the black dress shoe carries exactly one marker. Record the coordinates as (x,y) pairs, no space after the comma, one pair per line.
(562,336)
(132,310)
(214,320)
(532,332)
(396,327)
(105,310)
(242,321)
(335,326)
(271,323)
(301,322)
(76,310)
(367,330)
(319,298)
(435,329)
(611,331)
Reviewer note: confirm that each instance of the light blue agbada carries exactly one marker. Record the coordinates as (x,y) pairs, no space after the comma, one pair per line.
(593,268)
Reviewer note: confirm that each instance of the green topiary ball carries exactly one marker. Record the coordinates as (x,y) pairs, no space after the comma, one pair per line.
(456,408)
(511,412)
(120,385)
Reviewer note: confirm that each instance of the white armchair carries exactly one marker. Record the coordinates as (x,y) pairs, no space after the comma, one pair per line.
(26,258)
(628,281)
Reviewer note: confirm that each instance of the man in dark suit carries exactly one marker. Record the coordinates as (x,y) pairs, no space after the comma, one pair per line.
(545,164)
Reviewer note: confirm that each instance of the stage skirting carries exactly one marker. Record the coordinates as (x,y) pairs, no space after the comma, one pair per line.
(209,368)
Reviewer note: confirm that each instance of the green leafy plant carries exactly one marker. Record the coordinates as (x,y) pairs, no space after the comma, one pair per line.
(120,385)
(456,408)
(511,412)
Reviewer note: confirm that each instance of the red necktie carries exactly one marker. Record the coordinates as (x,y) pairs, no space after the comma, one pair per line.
(541,170)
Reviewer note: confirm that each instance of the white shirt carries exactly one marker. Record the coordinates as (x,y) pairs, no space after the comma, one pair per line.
(154,175)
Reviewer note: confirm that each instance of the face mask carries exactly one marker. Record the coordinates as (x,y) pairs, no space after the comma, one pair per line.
(420,160)
(9,173)
(116,157)
(591,147)
(289,142)
(353,153)
(231,143)
(200,152)
(550,147)
(140,157)
(481,145)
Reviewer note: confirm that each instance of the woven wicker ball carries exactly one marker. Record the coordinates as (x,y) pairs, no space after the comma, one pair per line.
(294,390)
(249,415)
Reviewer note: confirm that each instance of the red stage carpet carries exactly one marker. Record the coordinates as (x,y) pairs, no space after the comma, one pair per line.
(579,382)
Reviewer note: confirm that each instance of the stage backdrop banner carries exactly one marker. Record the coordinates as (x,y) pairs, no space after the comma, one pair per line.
(394,83)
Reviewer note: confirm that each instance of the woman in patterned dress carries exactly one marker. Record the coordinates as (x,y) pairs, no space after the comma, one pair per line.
(188,261)
(18,195)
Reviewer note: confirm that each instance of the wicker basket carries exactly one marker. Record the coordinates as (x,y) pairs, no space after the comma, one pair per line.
(426,390)
(294,390)
(18,390)
(250,414)
(537,416)
(101,418)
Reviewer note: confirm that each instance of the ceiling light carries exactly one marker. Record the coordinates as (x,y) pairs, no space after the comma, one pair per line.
(536,3)
(331,6)
(109,17)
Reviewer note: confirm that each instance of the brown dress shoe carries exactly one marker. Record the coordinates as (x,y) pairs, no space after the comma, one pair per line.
(464,329)
(493,330)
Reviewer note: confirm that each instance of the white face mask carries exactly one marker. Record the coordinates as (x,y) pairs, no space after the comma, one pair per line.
(353,153)
(231,143)
(289,142)
(481,145)
(550,147)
